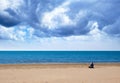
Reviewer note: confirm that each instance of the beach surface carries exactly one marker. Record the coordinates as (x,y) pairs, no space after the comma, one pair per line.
(59,73)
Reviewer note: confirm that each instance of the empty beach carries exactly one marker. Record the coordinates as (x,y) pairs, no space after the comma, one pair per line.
(59,73)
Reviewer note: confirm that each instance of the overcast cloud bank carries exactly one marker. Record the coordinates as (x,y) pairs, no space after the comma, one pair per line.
(31,19)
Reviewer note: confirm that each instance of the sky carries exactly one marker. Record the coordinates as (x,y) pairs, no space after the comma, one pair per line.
(59,25)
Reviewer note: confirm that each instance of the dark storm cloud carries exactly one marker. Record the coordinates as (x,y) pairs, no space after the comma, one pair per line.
(9,20)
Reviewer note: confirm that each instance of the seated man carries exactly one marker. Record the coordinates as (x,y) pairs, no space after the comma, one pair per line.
(91,65)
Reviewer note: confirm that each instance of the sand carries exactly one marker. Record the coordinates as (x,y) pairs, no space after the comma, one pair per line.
(60,73)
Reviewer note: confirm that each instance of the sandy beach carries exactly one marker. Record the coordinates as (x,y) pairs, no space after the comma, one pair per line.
(59,73)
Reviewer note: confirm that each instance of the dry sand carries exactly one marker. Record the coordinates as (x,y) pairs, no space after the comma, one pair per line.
(60,73)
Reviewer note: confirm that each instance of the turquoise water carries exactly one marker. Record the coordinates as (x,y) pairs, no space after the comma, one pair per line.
(17,57)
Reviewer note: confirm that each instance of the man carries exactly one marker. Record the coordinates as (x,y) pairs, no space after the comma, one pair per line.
(91,65)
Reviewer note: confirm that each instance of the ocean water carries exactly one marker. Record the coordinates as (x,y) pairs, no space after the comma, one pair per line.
(40,57)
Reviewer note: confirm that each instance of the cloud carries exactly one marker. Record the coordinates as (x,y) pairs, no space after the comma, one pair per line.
(58,18)
(8,12)
(7,20)
(21,33)
(113,29)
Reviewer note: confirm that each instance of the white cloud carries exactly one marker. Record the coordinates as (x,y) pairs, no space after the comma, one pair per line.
(96,33)
(4,4)
(21,34)
(57,17)
(7,33)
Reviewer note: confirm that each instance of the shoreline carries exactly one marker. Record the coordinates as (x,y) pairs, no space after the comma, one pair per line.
(58,65)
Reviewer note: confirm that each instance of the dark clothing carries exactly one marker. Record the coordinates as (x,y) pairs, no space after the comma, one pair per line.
(91,65)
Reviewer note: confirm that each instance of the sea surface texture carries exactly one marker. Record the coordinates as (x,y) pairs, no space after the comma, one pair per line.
(41,57)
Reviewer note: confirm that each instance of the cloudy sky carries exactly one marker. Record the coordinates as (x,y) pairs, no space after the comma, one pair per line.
(59,25)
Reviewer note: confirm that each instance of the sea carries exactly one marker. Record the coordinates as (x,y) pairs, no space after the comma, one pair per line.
(50,57)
